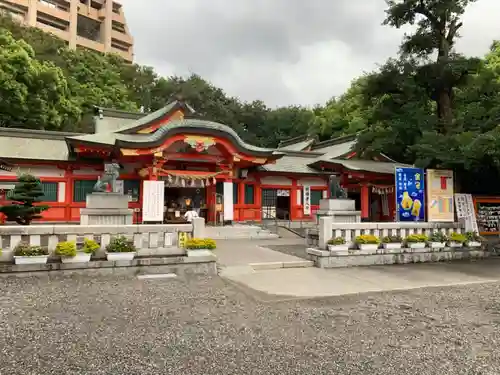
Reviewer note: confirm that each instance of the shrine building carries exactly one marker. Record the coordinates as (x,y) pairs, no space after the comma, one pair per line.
(203,163)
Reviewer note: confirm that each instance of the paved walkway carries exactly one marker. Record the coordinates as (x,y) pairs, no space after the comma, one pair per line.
(316,282)
(244,252)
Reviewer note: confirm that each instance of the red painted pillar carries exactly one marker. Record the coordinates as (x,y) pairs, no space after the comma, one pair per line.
(293,200)
(365,202)
(258,198)
(68,193)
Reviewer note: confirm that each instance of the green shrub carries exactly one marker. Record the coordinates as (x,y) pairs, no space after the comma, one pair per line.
(66,249)
(337,241)
(392,239)
(120,244)
(438,237)
(200,243)
(90,246)
(413,238)
(367,239)
(457,237)
(23,249)
(471,237)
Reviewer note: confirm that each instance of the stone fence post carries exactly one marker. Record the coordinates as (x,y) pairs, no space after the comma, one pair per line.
(325,231)
(199,227)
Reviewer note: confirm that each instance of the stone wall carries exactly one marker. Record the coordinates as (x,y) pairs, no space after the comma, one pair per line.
(150,240)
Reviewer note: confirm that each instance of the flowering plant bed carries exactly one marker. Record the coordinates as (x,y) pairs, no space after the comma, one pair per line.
(416,241)
(26,254)
(120,248)
(338,246)
(200,247)
(392,242)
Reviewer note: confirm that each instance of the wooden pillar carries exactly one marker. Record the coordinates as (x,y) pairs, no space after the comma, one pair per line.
(258,198)
(68,193)
(365,202)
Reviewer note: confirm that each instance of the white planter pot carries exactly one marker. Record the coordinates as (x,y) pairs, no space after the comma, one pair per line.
(343,247)
(416,245)
(391,246)
(78,258)
(120,256)
(455,244)
(199,253)
(473,244)
(437,245)
(368,248)
(39,259)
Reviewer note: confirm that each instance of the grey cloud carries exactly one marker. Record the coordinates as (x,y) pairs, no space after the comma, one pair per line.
(227,40)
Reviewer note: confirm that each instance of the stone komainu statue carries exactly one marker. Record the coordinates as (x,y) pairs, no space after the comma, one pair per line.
(109,177)
(336,191)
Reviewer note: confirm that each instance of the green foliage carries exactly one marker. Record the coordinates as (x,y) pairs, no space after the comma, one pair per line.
(336,241)
(392,239)
(24,208)
(200,244)
(457,237)
(24,249)
(66,249)
(438,237)
(473,237)
(90,246)
(367,239)
(414,238)
(120,244)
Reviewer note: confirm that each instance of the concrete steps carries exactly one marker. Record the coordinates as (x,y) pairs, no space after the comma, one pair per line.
(238,232)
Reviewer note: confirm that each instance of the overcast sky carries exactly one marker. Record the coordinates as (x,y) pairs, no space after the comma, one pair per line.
(280,51)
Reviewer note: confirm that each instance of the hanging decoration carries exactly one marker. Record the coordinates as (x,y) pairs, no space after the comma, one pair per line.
(382,190)
(214,181)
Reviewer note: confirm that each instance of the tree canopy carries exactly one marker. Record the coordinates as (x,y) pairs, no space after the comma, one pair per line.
(428,105)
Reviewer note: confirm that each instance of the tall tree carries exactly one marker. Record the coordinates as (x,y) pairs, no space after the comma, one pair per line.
(438,23)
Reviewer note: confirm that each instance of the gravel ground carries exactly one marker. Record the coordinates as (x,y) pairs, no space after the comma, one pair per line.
(117,325)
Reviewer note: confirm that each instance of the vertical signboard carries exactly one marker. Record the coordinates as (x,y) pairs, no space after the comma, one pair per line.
(440,196)
(307,200)
(410,194)
(153,201)
(466,212)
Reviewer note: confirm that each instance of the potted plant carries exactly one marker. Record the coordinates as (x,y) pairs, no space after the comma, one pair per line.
(437,240)
(119,248)
(69,253)
(26,254)
(367,243)
(473,239)
(416,241)
(337,246)
(200,246)
(456,240)
(392,243)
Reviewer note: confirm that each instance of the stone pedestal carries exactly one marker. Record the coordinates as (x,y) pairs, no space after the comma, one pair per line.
(341,210)
(106,209)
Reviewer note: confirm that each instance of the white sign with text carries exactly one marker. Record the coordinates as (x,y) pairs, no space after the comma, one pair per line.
(153,200)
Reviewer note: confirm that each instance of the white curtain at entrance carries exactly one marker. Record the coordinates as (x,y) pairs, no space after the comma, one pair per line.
(228,201)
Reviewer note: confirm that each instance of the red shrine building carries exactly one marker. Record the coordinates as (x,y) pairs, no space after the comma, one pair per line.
(203,163)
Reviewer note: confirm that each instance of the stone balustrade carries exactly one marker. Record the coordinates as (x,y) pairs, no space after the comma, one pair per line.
(150,240)
(349,231)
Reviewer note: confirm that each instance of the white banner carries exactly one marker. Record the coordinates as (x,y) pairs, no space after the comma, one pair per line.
(465,212)
(307,200)
(228,201)
(153,200)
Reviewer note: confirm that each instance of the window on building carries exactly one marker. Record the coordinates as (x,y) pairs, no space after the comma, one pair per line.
(132,188)
(49,191)
(81,188)
(235,192)
(249,194)
(316,196)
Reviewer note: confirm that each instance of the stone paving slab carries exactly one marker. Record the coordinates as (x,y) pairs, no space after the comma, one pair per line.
(315,282)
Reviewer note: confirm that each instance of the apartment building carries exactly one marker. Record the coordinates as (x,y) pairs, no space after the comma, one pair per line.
(98,25)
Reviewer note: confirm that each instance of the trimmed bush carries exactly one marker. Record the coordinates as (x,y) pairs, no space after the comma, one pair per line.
(120,244)
(337,241)
(23,249)
(392,239)
(438,237)
(90,246)
(367,239)
(66,249)
(200,243)
(457,237)
(414,238)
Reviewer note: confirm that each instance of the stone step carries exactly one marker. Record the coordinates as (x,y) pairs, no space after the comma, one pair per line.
(278,265)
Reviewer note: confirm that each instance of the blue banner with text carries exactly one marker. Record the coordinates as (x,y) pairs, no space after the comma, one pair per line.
(410,194)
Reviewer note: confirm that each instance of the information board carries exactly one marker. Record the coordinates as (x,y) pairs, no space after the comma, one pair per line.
(488,217)
(153,201)
(466,212)
(440,196)
(410,194)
